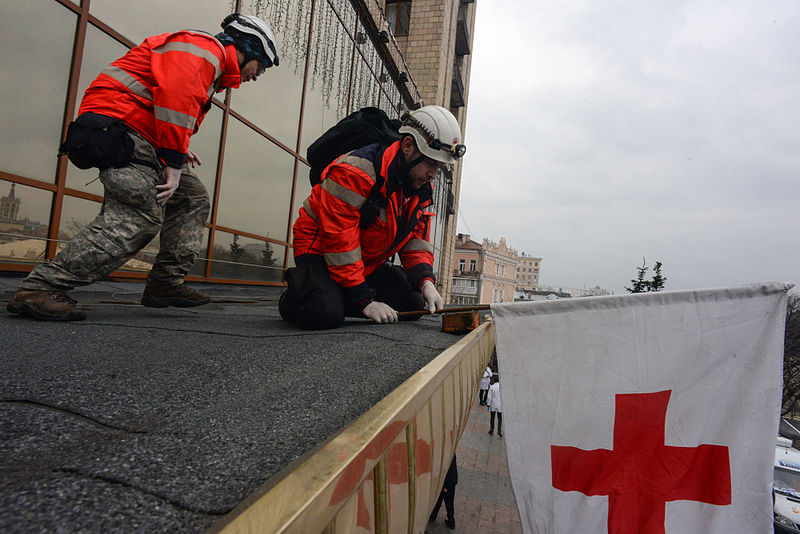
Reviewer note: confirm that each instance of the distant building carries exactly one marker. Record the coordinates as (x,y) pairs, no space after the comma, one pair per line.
(528,272)
(584,291)
(483,272)
(9,213)
(521,295)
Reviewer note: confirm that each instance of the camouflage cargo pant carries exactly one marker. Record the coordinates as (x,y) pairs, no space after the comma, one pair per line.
(127,222)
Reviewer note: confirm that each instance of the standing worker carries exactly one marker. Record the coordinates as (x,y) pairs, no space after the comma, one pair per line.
(495,407)
(484,387)
(342,253)
(138,116)
(447,495)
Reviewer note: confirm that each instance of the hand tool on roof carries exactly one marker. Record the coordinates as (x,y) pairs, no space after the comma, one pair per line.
(457,320)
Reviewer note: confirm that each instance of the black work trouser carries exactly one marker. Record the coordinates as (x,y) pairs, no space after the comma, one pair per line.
(482,396)
(314,301)
(499,422)
(447,495)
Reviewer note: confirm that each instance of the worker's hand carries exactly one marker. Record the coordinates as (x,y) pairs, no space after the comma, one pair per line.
(433,300)
(192,160)
(380,312)
(165,190)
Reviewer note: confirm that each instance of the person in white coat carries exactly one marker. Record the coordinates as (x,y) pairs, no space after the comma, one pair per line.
(487,374)
(495,407)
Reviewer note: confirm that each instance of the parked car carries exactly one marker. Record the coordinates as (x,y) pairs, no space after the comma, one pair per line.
(786,488)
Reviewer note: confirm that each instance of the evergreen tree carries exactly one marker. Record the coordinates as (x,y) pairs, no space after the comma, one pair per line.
(236,249)
(267,256)
(639,284)
(657,283)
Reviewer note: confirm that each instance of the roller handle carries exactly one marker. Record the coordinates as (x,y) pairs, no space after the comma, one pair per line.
(445,310)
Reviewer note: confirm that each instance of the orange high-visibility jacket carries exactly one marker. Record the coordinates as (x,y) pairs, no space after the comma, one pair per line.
(328,224)
(163,88)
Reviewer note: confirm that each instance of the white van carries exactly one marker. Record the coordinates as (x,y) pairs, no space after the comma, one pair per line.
(786,487)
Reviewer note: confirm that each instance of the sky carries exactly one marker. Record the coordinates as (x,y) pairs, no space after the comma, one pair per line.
(602,132)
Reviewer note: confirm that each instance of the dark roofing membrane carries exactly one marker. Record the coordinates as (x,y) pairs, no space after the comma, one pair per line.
(150,419)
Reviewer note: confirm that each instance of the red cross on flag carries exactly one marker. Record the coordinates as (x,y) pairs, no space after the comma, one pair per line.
(648,413)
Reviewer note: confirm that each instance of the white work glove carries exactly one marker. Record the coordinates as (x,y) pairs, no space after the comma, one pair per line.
(433,300)
(379,312)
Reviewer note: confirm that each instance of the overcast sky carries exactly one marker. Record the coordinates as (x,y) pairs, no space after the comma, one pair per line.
(600,132)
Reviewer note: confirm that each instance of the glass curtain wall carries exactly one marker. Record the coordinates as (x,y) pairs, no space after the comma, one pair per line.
(252,141)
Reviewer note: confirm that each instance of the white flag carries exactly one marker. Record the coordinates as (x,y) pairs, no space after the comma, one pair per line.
(647,413)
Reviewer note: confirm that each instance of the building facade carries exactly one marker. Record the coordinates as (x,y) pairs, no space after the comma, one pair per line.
(468,266)
(336,56)
(435,37)
(528,272)
(483,273)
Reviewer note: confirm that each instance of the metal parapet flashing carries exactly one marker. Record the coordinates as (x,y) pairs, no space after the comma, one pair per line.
(382,473)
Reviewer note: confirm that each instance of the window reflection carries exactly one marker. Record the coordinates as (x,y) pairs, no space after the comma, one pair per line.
(143,18)
(365,86)
(35,79)
(440,190)
(273,101)
(199,267)
(302,190)
(76,213)
(329,76)
(205,143)
(242,258)
(24,214)
(99,51)
(256,184)
(346,13)
(389,98)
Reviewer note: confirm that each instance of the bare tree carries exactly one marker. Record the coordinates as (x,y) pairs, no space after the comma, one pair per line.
(791,356)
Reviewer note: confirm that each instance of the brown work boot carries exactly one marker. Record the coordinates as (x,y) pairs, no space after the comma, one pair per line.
(47,305)
(182,296)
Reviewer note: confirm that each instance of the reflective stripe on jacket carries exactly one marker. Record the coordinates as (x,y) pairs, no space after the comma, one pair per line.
(163,88)
(328,224)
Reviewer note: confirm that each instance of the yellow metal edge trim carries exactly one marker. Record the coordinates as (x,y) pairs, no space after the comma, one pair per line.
(277,506)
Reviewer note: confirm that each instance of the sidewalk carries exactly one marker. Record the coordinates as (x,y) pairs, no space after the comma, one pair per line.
(484,499)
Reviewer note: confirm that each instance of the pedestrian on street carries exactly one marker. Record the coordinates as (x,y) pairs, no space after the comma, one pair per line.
(495,407)
(448,495)
(484,388)
(371,204)
(135,123)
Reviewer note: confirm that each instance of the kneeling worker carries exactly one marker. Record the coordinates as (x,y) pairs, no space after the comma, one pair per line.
(342,250)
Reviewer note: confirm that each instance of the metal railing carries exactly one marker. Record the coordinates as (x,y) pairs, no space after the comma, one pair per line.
(384,472)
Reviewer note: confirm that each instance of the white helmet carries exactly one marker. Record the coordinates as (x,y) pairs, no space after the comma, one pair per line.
(248,30)
(436,132)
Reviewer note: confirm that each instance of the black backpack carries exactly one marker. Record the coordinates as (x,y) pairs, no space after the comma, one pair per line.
(361,128)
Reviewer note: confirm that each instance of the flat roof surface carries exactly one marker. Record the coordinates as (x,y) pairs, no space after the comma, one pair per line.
(166,419)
